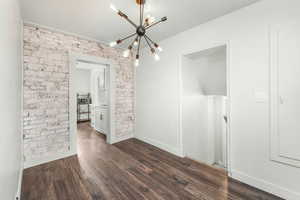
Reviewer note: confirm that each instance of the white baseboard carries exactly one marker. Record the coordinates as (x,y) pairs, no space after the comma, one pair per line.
(32,163)
(162,146)
(122,138)
(18,193)
(265,186)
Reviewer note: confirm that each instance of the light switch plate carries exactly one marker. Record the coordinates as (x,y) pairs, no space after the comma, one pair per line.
(261,96)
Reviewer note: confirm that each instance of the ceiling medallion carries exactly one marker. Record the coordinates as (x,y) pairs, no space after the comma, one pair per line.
(141,32)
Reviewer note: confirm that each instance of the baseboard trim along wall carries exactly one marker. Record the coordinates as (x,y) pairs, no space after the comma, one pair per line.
(265,186)
(32,163)
(122,138)
(255,182)
(162,146)
(19,189)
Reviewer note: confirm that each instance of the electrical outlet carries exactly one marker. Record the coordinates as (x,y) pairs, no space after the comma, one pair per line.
(131,118)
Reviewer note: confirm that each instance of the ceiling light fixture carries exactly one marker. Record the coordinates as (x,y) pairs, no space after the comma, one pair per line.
(140,32)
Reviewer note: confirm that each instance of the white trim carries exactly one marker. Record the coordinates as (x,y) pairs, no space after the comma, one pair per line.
(228,101)
(166,147)
(265,186)
(202,48)
(32,163)
(111,66)
(19,189)
(18,192)
(180,105)
(122,138)
(274,101)
(134,103)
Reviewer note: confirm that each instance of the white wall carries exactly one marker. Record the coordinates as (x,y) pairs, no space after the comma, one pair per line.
(192,80)
(205,74)
(83,81)
(248,33)
(10,101)
(213,73)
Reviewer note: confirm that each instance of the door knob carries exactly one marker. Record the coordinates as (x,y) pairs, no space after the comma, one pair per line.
(225,118)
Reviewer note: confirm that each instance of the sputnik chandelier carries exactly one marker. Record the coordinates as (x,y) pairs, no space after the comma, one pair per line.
(141,29)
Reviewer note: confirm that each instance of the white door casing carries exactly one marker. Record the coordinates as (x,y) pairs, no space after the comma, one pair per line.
(203,47)
(73,58)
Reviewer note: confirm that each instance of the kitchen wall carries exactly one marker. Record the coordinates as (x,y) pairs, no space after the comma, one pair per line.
(83,81)
(46,90)
(247,32)
(10,101)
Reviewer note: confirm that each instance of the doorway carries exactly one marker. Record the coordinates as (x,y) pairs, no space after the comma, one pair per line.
(92,87)
(205,106)
(92,92)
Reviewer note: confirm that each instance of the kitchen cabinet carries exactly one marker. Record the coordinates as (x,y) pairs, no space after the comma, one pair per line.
(101,119)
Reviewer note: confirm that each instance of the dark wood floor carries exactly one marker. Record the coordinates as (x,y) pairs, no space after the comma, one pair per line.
(130,170)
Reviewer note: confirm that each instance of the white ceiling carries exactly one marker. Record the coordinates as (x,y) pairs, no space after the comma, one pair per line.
(95,19)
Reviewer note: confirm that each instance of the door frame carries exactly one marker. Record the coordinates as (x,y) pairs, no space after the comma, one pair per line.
(180,86)
(111,67)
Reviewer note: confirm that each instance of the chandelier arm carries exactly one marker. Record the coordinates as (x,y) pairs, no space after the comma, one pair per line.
(146,36)
(131,44)
(148,42)
(129,36)
(139,45)
(143,14)
(127,18)
(155,23)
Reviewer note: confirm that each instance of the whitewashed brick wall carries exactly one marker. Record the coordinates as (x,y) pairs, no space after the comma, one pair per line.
(46,89)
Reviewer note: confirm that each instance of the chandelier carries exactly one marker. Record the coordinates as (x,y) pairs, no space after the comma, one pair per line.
(143,25)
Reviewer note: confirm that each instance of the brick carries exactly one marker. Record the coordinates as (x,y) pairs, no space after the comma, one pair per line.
(46,89)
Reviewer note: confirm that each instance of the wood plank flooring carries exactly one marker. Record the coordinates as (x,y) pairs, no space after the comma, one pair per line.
(130,170)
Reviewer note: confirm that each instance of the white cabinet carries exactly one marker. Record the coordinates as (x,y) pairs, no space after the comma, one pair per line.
(93,116)
(101,119)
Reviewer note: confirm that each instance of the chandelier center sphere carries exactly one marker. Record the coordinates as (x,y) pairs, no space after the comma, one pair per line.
(141,31)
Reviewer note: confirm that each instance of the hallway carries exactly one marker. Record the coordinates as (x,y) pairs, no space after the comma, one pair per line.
(129,170)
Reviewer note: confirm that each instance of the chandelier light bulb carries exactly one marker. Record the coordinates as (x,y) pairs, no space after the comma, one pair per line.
(126,53)
(158,47)
(156,57)
(135,43)
(137,62)
(151,19)
(113,44)
(114,8)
